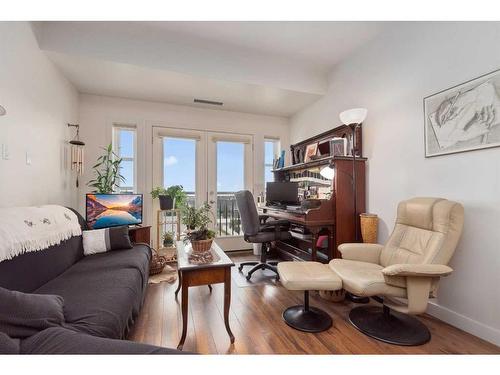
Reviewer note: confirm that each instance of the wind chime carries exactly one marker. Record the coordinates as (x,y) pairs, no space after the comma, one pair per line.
(76,153)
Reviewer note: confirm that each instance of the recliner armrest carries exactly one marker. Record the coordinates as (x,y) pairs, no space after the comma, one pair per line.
(424,270)
(362,252)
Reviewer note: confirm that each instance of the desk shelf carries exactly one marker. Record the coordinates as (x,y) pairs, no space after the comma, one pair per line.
(337,216)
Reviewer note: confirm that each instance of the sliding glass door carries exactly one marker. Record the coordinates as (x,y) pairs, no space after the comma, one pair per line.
(211,167)
(229,170)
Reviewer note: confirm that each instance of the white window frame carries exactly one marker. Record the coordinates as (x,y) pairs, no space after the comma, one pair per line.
(276,152)
(117,128)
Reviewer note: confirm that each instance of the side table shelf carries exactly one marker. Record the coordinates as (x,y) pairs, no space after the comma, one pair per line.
(168,221)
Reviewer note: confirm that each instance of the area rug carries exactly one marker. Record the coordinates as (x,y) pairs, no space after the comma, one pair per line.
(260,277)
(169,275)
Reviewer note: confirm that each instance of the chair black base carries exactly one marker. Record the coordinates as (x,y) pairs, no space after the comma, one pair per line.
(259,266)
(389,326)
(307,319)
(356,299)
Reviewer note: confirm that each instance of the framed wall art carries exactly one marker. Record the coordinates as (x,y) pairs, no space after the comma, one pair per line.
(462,118)
(311,151)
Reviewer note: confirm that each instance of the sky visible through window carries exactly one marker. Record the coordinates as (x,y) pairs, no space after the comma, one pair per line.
(230,166)
(179,164)
(126,150)
(268,160)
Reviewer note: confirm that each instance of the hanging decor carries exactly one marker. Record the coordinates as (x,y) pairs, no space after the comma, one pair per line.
(76,153)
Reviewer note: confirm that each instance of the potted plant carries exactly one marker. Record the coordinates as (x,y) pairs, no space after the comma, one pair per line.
(107,172)
(197,221)
(178,195)
(166,201)
(168,239)
(173,196)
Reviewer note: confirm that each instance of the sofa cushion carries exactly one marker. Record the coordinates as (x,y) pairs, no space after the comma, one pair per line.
(103,293)
(9,345)
(23,315)
(102,240)
(64,341)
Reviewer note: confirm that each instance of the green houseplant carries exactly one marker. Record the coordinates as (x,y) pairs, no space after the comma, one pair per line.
(172,197)
(107,172)
(168,239)
(197,221)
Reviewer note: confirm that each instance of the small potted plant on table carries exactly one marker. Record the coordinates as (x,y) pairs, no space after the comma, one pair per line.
(197,221)
(168,239)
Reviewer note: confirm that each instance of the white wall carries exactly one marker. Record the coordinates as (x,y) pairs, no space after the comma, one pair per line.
(39,104)
(390,76)
(98,113)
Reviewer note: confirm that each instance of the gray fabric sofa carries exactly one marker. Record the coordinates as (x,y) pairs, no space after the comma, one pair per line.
(102,293)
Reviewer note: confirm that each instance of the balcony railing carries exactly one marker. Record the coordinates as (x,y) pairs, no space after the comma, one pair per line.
(228,221)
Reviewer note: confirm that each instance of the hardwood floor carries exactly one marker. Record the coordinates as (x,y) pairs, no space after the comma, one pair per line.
(256,322)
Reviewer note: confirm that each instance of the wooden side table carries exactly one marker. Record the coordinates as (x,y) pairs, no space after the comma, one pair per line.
(218,271)
(140,234)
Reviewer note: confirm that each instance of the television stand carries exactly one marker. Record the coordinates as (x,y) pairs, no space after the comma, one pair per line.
(140,233)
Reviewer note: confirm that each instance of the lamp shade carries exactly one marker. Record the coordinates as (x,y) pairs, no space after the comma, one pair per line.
(353,116)
(327,172)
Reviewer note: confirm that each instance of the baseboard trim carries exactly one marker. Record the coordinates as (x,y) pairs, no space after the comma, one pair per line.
(466,324)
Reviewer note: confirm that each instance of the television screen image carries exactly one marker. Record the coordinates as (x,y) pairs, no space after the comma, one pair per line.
(111,210)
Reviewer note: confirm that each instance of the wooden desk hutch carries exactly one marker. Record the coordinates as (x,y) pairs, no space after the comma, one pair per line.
(334,217)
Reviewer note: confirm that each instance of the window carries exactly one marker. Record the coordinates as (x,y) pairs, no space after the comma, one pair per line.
(124,145)
(179,165)
(271,150)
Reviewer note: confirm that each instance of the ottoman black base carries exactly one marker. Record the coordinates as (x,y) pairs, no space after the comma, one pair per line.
(307,319)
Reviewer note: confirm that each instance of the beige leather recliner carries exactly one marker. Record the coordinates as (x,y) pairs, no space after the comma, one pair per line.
(408,268)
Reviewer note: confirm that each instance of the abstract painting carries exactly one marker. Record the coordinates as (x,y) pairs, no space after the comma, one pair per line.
(463,118)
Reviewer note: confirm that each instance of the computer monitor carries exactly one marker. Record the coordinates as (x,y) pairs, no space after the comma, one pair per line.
(282,192)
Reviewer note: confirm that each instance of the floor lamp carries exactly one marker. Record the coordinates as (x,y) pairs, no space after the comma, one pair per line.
(353,118)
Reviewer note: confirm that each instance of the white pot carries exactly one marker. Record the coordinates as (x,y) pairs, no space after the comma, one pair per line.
(257,248)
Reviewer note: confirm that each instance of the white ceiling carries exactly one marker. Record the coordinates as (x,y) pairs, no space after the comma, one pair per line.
(272,68)
(109,78)
(320,44)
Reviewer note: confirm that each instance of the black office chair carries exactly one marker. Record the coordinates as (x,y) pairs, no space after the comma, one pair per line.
(256,229)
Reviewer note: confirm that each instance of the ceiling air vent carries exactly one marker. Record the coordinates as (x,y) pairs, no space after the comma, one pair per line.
(211,102)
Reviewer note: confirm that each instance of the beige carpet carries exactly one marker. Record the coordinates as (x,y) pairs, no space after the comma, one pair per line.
(169,275)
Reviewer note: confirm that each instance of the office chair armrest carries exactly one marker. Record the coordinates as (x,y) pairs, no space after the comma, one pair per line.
(423,270)
(361,252)
(263,219)
(275,225)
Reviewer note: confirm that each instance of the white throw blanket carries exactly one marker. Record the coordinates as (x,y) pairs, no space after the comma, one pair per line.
(24,229)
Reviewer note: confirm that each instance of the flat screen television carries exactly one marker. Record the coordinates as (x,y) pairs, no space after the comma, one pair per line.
(111,210)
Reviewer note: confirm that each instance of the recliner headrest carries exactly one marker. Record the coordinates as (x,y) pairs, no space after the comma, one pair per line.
(418,212)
